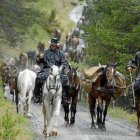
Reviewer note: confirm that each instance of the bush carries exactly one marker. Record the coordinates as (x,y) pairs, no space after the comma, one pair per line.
(8,127)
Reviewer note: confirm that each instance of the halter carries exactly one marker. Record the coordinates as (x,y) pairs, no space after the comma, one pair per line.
(55,86)
(111,81)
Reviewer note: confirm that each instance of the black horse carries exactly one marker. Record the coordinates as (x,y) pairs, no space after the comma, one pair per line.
(70,101)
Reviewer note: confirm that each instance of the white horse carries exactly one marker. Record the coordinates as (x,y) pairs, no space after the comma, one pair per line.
(52,94)
(25,85)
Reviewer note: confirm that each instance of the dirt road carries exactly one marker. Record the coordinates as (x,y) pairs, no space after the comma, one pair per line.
(115,130)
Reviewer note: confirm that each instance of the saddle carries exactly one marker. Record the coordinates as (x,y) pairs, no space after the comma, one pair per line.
(90,76)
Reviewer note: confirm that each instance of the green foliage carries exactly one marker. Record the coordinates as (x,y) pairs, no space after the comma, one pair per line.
(18,17)
(8,125)
(121,114)
(112,30)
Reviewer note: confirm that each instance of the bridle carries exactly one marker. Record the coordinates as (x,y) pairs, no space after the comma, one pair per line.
(54,86)
(110,72)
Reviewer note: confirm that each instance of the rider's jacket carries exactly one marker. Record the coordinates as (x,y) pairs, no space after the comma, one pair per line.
(135,62)
(53,57)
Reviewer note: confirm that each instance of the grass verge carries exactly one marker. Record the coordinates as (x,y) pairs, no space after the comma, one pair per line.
(12,125)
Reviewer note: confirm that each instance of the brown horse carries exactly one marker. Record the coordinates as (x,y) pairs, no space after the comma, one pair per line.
(57,34)
(23,60)
(4,73)
(137,101)
(108,85)
(73,90)
(41,47)
(31,56)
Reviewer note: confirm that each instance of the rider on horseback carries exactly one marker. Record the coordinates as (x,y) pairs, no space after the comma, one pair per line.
(52,56)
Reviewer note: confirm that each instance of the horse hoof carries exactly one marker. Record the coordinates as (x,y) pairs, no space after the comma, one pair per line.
(54,133)
(66,123)
(48,135)
(103,128)
(72,122)
(29,116)
(93,127)
(44,132)
(138,133)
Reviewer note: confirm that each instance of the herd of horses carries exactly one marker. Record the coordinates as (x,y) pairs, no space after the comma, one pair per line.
(104,84)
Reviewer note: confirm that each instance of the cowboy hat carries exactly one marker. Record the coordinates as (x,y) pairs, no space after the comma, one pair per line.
(54,41)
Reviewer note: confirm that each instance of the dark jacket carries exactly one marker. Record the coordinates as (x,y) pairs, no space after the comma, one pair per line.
(52,57)
(135,62)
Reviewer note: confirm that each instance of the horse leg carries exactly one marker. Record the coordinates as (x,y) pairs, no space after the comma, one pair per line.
(28,104)
(100,111)
(47,116)
(73,109)
(55,115)
(66,109)
(105,112)
(92,102)
(138,114)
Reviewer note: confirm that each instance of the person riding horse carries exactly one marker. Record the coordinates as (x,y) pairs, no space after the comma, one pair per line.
(52,56)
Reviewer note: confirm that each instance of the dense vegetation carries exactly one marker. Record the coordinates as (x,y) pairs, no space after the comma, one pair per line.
(18,17)
(112,30)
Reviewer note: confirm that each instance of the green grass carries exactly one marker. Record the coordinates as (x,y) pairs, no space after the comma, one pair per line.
(119,113)
(20,123)
(62,7)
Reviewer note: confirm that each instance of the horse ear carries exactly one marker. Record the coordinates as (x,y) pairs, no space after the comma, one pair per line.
(69,67)
(60,69)
(107,64)
(115,64)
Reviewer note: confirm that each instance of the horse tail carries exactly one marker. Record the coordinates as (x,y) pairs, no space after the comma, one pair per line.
(16,96)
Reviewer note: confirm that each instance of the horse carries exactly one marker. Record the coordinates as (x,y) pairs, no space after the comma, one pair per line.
(31,56)
(71,101)
(41,47)
(78,57)
(72,48)
(52,92)
(11,61)
(25,87)
(4,74)
(137,101)
(108,85)
(23,60)
(57,34)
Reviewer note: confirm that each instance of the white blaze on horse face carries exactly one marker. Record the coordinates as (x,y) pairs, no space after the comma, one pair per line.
(110,76)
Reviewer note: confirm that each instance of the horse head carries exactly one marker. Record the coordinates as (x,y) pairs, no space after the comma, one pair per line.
(110,71)
(53,80)
(74,79)
(41,47)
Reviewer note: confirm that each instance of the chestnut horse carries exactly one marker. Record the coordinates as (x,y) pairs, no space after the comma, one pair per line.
(74,81)
(108,85)
(41,47)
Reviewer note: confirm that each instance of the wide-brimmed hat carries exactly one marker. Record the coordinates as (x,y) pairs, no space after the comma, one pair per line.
(54,41)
